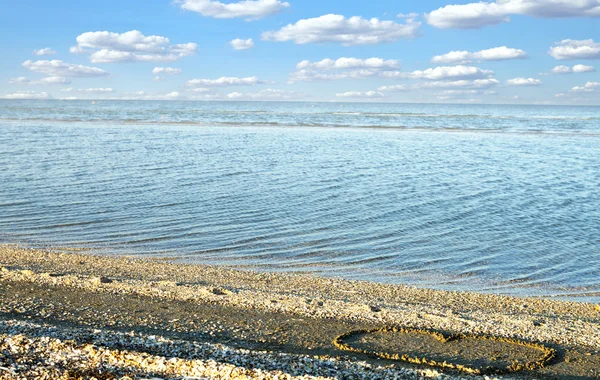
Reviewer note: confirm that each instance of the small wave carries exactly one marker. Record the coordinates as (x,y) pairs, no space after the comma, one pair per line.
(421,127)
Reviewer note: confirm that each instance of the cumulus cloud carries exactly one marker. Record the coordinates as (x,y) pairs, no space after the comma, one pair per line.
(143,95)
(524,82)
(47,80)
(463,96)
(200,89)
(349,63)
(442,73)
(576,49)
(467,16)
(99,90)
(343,68)
(347,31)
(314,75)
(358,94)
(44,51)
(395,88)
(248,9)
(211,96)
(562,69)
(407,15)
(475,84)
(239,44)
(28,95)
(57,68)
(19,80)
(267,94)
(588,87)
(106,47)
(52,80)
(451,73)
(583,69)
(495,54)
(459,92)
(173,95)
(166,70)
(477,15)
(226,81)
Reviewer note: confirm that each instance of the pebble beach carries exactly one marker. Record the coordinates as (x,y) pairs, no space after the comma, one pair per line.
(71,315)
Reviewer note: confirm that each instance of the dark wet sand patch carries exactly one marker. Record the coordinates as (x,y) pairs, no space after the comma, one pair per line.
(110,306)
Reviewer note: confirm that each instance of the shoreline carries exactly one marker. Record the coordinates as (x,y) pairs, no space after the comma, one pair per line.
(267,315)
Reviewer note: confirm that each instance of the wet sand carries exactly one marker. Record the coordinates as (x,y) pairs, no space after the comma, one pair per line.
(114,317)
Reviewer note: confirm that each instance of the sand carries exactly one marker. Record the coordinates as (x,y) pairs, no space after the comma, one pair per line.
(79,315)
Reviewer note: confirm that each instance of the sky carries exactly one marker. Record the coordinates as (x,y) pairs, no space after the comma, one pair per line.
(430,51)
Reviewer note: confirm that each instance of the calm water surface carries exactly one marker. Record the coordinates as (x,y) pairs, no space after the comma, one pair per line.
(502,199)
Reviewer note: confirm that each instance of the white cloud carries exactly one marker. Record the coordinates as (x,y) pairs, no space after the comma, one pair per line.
(44,51)
(524,82)
(451,73)
(314,75)
(588,87)
(47,80)
(358,94)
(267,94)
(52,80)
(450,93)
(239,44)
(58,68)
(28,95)
(407,15)
(173,95)
(235,95)
(210,96)
(396,88)
(143,95)
(495,54)
(347,68)
(226,81)
(248,9)
(583,69)
(19,80)
(477,15)
(99,90)
(347,31)
(106,47)
(349,63)
(467,16)
(166,70)
(562,69)
(576,49)
(443,73)
(477,84)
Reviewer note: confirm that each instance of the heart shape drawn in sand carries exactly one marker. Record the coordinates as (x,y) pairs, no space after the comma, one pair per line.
(475,354)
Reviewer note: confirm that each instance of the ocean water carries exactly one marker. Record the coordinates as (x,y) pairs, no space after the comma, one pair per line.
(490,198)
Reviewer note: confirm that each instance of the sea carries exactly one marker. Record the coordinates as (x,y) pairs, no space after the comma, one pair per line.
(500,199)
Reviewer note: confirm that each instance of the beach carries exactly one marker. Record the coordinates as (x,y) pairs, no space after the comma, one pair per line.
(78,315)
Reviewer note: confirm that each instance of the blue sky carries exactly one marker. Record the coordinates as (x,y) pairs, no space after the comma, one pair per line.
(456,51)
